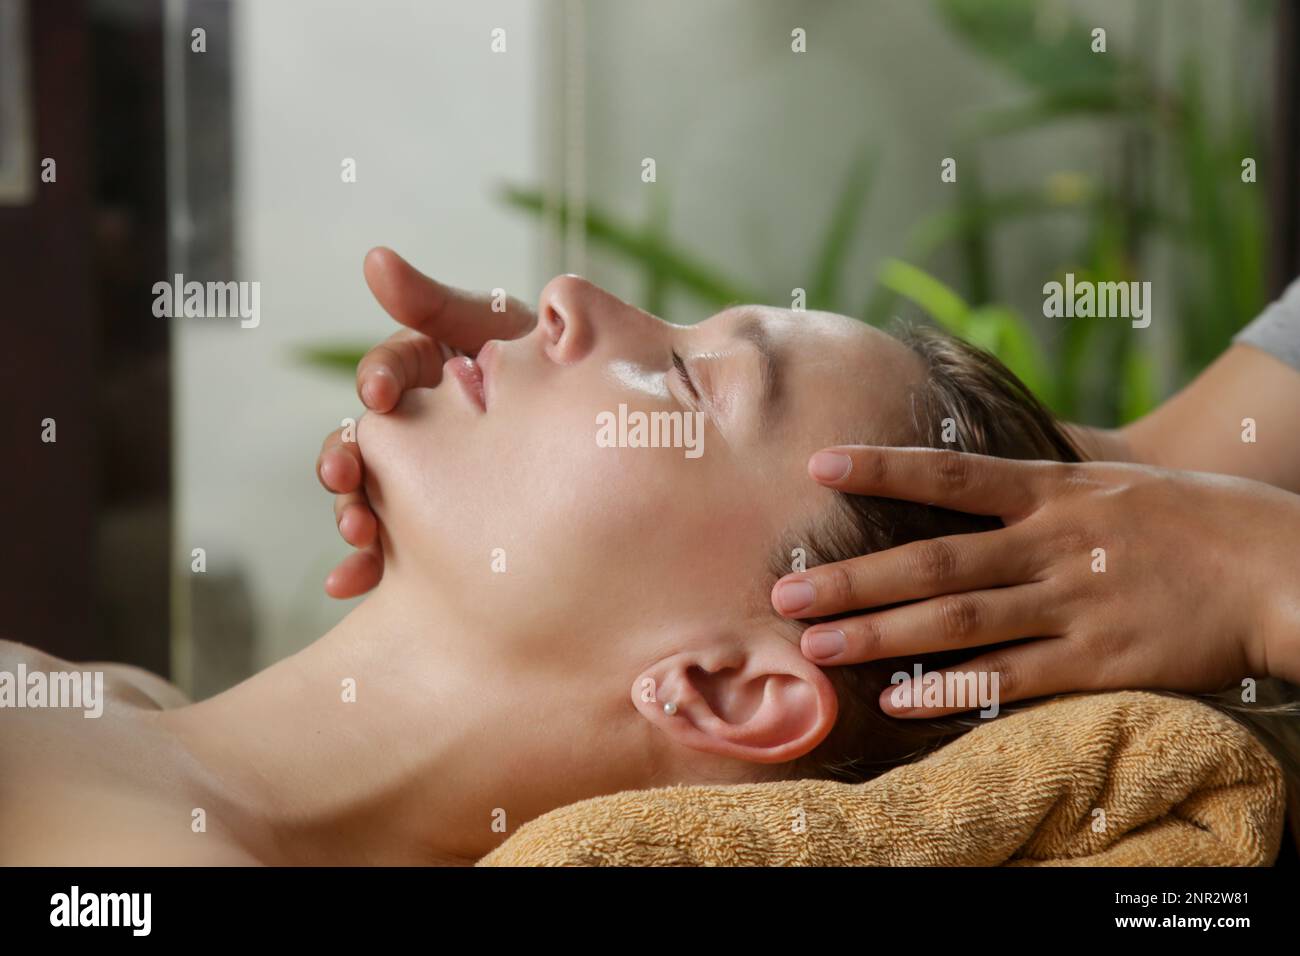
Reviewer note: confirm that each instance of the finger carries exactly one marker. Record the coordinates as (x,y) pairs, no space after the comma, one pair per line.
(976,484)
(338,466)
(461,319)
(356,521)
(919,569)
(969,619)
(404,360)
(1023,672)
(356,574)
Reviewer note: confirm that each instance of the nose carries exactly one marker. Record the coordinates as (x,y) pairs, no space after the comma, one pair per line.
(566,315)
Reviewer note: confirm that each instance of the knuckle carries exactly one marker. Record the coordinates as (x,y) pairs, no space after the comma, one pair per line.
(960,617)
(953,470)
(1009,677)
(868,637)
(1072,475)
(936,562)
(1072,540)
(838,584)
(877,468)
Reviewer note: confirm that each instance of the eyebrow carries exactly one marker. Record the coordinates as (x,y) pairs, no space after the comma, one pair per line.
(750,329)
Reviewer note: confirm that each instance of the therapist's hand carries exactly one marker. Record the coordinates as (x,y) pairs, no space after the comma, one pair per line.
(1200,586)
(440,322)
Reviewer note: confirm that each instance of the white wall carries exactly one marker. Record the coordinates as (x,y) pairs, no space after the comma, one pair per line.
(435,122)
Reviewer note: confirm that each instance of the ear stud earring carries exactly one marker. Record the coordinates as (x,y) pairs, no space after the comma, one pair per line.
(670,708)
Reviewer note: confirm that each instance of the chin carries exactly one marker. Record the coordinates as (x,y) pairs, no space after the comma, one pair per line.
(387,438)
(390,446)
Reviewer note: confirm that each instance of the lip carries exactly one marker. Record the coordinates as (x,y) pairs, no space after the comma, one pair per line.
(469,375)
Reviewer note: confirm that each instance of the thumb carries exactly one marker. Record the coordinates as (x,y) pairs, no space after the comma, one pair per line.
(462,320)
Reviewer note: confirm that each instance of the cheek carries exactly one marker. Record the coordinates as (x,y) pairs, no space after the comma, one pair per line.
(581,527)
(626,532)
(555,493)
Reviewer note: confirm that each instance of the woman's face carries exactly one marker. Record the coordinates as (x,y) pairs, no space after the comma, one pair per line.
(529,525)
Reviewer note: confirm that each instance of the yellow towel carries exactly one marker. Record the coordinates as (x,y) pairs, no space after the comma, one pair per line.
(1107,779)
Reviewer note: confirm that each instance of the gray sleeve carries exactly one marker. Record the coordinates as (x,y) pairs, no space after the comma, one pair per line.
(1277,329)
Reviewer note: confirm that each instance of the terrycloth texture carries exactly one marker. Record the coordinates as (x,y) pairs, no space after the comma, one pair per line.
(1180,783)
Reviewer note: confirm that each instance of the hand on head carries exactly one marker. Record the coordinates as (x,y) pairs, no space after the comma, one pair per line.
(1111,575)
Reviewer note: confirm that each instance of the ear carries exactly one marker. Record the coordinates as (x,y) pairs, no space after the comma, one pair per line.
(758,700)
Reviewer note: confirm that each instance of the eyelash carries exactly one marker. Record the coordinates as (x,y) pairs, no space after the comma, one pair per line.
(680,365)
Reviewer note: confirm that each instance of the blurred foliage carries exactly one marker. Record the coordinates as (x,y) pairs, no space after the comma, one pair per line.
(996,328)
(1175,180)
(338,358)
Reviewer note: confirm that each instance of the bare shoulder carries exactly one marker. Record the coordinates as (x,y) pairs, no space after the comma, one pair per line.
(13,654)
(85,791)
(126,682)
(161,692)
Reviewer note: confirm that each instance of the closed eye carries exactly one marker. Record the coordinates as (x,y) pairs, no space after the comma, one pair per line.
(680,365)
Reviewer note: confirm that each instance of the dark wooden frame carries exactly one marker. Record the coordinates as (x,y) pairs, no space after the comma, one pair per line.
(75,347)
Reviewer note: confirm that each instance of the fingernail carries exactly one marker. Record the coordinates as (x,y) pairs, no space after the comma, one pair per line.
(824,643)
(794,596)
(829,466)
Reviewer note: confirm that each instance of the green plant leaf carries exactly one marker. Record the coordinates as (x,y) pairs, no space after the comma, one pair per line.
(1072,366)
(656,230)
(1014,35)
(1060,105)
(644,246)
(335,358)
(995,328)
(846,214)
(1009,338)
(1138,392)
(942,303)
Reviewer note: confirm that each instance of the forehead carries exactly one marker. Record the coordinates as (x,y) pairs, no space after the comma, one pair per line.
(843,382)
(842,374)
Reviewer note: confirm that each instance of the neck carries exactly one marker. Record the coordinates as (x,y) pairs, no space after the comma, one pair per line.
(399,738)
